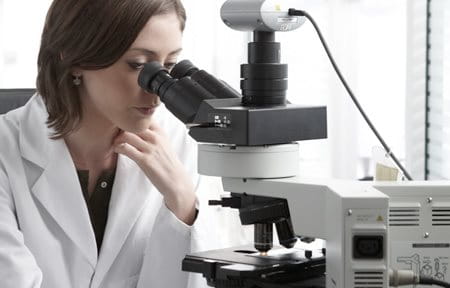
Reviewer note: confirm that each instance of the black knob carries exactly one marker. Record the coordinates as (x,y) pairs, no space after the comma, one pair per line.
(308,254)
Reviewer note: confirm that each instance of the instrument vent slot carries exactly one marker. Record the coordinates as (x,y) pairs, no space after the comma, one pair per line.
(404,216)
(368,279)
(440,216)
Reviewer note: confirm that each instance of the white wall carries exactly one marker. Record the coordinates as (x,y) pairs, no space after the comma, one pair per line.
(21,23)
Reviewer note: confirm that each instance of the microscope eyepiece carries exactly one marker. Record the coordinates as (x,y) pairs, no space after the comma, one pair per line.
(181,96)
(219,89)
(153,76)
(183,68)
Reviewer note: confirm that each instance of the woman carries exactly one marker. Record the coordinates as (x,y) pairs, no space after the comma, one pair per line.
(92,191)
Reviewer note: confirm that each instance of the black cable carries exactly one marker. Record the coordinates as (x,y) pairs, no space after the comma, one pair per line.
(295,12)
(425,280)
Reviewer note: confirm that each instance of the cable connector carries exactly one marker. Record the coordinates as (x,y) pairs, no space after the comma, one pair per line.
(408,277)
(295,12)
(402,277)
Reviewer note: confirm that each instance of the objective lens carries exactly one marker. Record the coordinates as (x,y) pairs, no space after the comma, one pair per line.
(286,233)
(263,237)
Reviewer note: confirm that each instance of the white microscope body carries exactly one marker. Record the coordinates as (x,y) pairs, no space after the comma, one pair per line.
(368,227)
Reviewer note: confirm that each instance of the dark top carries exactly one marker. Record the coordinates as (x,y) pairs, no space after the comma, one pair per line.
(98,203)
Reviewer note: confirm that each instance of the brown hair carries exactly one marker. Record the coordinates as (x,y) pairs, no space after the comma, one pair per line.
(87,34)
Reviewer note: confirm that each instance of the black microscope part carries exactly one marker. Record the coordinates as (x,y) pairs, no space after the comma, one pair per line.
(264,81)
(242,267)
(263,237)
(199,99)
(262,212)
(219,89)
(181,96)
(368,247)
(285,232)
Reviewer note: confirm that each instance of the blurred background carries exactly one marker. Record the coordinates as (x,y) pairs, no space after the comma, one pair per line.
(379,45)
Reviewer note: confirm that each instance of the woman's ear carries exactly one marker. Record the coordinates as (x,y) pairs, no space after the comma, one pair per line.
(76,72)
(77,75)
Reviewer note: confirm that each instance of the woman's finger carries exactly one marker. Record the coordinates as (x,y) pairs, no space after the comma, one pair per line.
(149,136)
(129,151)
(133,140)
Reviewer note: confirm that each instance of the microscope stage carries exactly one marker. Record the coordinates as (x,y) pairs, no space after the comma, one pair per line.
(245,267)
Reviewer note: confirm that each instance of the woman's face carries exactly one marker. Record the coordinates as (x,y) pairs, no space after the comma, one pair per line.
(113,94)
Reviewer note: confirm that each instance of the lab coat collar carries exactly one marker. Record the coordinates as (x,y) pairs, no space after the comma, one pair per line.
(59,191)
(34,134)
(130,194)
(57,187)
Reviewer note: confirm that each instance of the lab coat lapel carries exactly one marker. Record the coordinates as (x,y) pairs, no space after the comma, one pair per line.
(130,194)
(57,187)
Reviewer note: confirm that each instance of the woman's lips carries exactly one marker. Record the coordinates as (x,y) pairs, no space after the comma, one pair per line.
(146,111)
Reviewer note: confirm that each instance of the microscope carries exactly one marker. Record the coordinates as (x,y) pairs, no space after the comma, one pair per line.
(250,139)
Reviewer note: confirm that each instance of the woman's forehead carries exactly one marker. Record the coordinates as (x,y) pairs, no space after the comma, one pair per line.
(161,34)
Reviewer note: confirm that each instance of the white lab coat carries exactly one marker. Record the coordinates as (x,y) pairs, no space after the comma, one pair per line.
(46,238)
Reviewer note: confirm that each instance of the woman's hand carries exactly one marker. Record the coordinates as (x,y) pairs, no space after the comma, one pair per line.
(152,152)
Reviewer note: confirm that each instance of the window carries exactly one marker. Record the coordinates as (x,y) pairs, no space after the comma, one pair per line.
(438,96)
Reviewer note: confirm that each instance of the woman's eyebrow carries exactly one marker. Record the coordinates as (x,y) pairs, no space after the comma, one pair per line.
(152,53)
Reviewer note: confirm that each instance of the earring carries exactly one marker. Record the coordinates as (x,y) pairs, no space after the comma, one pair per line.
(77,80)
